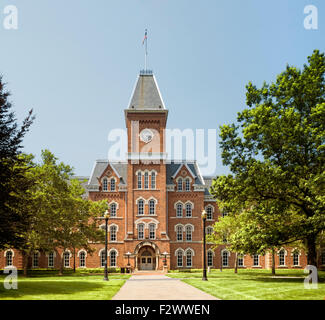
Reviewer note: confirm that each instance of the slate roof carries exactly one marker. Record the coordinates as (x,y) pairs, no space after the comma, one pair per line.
(146,94)
(172,168)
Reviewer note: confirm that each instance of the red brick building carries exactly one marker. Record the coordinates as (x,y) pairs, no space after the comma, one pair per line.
(155,206)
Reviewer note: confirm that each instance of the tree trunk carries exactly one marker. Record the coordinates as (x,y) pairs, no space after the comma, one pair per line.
(311,250)
(236,262)
(25,262)
(273,261)
(61,264)
(74,260)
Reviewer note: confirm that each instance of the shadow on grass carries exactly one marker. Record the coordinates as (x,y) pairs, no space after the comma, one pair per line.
(49,289)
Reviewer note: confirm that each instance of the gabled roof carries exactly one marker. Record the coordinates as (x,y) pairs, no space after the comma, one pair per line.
(173,167)
(100,166)
(146,94)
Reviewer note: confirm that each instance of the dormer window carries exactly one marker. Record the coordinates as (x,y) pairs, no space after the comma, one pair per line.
(187,184)
(180,185)
(113,185)
(105,184)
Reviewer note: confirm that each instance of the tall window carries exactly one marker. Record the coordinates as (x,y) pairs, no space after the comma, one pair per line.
(189,233)
(153,180)
(113,184)
(141,231)
(102,258)
(187,184)
(113,209)
(209,213)
(112,233)
(82,259)
(112,258)
(210,258)
(146,180)
(225,257)
(35,259)
(179,210)
(105,184)
(179,258)
(9,257)
(296,259)
(140,207)
(152,209)
(139,180)
(240,260)
(66,259)
(282,258)
(224,213)
(179,233)
(256,260)
(189,258)
(209,230)
(152,231)
(180,185)
(50,261)
(188,210)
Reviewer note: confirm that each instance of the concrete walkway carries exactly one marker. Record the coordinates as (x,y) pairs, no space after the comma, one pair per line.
(159,287)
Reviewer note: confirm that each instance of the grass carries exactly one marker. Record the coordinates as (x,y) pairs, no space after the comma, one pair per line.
(254,284)
(47,285)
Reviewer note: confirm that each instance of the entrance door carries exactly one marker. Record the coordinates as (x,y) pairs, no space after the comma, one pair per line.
(146,263)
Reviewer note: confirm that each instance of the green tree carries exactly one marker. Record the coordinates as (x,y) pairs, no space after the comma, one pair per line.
(12,172)
(276,154)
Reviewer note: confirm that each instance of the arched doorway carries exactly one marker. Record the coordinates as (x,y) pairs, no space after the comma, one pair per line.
(146,255)
(147,259)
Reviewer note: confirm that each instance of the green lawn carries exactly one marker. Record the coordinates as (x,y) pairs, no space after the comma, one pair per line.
(50,286)
(254,284)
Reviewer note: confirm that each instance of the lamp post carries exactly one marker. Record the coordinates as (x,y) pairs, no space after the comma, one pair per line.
(165,260)
(204,218)
(128,255)
(106,217)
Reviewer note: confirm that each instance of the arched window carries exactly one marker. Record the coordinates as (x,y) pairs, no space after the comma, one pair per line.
(210,258)
(140,207)
(187,184)
(105,184)
(188,210)
(189,256)
(112,258)
(9,258)
(256,260)
(113,233)
(179,233)
(179,210)
(189,231)
(146,180)
(82,259)
(66,259)
(35,259)
(139,180)
(209,213)
(152,207)
(113,185)
(179,185)
(282,257)
(179,255)
(50,260)
(102,258)
(240,260)
(113,209)
(209,230)
(295,256)
(225,256)
(140,231)
(153,180)
(152,231)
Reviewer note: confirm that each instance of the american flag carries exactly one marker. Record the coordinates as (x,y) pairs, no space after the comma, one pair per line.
(145,37)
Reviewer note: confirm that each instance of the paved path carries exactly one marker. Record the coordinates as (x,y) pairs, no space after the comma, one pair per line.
(159,287)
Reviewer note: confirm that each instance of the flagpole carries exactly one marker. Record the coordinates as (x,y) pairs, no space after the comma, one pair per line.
(146,50)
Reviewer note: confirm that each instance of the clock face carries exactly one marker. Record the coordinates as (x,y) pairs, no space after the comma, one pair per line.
(146,135)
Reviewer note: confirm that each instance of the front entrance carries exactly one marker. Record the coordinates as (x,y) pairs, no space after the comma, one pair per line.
(147,260)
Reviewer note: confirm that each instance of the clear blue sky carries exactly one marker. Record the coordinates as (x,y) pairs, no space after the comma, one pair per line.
(75,62)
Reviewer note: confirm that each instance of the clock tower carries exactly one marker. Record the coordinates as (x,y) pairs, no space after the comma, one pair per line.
(146,118)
